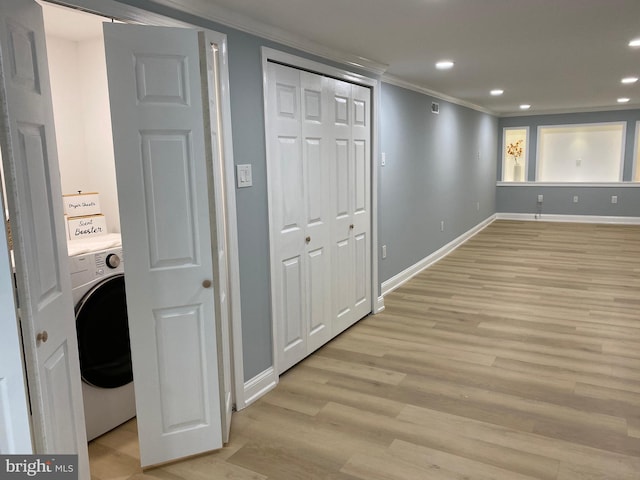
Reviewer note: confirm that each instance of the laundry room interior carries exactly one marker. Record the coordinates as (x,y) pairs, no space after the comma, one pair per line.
(82,118)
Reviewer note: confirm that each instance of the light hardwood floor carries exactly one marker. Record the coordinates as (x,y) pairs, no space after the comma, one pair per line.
(516,357)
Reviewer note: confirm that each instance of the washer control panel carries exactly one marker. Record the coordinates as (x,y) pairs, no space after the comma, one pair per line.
(91,266)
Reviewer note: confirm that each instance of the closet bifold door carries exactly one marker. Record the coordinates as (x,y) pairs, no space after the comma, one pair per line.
(319,169)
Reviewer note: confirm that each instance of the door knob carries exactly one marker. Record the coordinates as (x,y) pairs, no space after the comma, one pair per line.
(351,227)
(307,240)
(206,283)
(42,337)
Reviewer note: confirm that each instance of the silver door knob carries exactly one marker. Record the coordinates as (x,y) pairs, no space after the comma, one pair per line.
(42,337)
(206,283)
(307,240)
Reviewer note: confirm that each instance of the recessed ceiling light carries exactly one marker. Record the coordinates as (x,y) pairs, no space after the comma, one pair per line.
(635,42)
(496,91)
(623,100)
(629,79)
(525,106)
(444,65)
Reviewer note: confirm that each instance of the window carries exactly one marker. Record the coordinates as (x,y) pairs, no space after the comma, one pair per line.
(581,153)
(514,154)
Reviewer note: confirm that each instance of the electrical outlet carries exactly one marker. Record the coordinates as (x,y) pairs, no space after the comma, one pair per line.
(383,159)
(442,225)
(540,198)
(384,251)
(614,199)
(575,199)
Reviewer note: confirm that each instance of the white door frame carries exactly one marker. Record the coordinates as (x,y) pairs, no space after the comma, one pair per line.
(269,54)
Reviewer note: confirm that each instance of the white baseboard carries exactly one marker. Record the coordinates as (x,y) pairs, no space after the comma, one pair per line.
(259,385)
(569,218)
(390,285)
(379,305)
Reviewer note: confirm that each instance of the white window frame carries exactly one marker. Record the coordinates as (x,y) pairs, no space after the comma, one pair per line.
(525,164)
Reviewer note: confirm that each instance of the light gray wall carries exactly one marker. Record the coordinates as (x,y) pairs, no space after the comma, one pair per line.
(437,168)
(559,199)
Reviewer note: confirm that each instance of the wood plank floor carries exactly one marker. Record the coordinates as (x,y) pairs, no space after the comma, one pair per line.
(516,357)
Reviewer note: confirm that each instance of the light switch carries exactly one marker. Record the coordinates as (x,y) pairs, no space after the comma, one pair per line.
(243,174)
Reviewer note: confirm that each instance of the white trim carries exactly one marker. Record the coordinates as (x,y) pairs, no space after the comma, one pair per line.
(566,184)
(398,82)
(589,124)
(259,385)
(635,159)
(525,164)
(269,54)
(380,305)
(556,111)
(208,11)
(531,217)
(120,11)
(398,280)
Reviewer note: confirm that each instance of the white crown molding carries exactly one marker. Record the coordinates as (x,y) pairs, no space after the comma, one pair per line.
(215,13)
(533,217)
(407,274)
(607,108)
(398,82)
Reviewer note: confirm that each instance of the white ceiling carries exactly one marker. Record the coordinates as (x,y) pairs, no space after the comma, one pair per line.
(557,55)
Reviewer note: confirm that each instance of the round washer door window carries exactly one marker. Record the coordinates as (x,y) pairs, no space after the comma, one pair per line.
(103,335)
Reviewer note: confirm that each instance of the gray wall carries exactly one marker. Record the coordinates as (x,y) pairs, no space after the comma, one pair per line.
(437,168)
(559,199)
(433,174)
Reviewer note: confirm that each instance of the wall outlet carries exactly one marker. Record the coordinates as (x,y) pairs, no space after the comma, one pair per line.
(442,225)
(575,199)
(540,198)
(614,199)
(383,159)
(384,251)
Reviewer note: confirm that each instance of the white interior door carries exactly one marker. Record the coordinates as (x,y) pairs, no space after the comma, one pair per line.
(219,224)
(350,190)
(287,200)
(159,143)
(35,205)
(318,137)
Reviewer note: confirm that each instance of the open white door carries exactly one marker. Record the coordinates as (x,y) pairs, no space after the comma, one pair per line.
(217,196)
(35,205)
(159,142)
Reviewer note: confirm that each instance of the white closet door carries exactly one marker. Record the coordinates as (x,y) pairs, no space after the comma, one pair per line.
(35,201)
(157,114)
(318,140)
(287,200)
(316,164)
(351,203)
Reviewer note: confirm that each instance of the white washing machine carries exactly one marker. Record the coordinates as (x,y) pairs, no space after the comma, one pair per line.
(97,279)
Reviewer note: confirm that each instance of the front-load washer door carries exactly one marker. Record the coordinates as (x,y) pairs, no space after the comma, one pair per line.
(103,335)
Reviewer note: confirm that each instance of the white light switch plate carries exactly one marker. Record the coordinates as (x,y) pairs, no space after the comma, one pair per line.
(243,176)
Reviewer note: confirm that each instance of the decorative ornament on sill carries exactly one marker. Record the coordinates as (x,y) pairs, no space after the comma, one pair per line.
(515,150)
